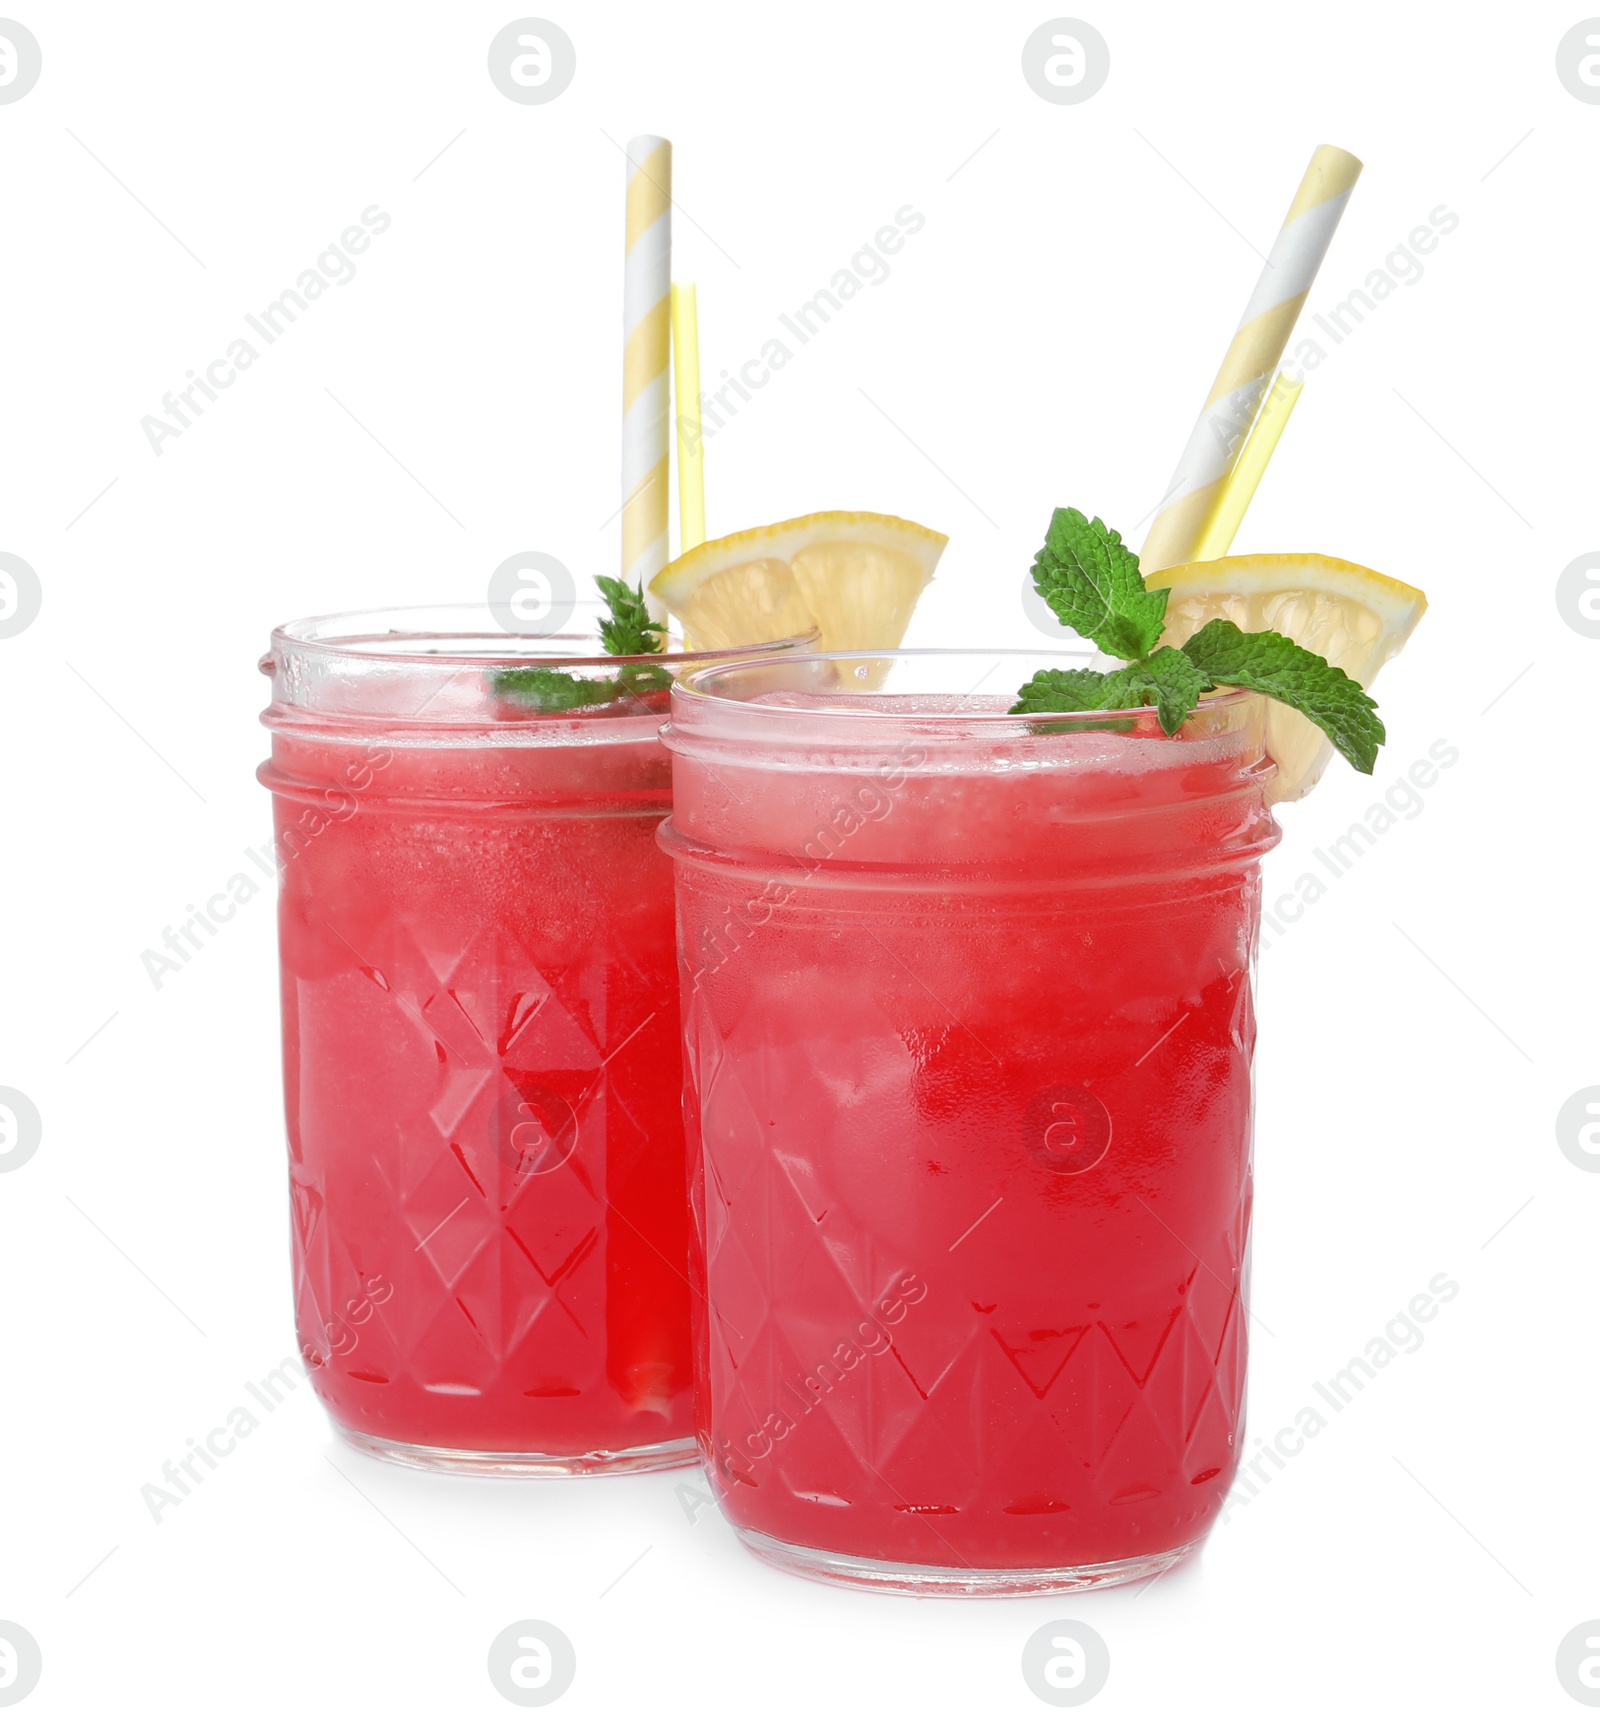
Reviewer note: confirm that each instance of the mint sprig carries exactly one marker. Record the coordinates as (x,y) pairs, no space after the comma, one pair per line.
(630,627)
(629,630)
(1092,582)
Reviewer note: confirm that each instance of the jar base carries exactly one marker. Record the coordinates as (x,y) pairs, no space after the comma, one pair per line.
(525,1464)
(881,1576)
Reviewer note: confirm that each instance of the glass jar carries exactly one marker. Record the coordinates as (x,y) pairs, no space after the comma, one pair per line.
(968,1031)
(480,1041)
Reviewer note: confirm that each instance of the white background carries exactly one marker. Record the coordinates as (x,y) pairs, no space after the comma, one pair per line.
(1046,339)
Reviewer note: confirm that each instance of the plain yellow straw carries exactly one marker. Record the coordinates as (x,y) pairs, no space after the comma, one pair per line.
(1239,486)
(691,443)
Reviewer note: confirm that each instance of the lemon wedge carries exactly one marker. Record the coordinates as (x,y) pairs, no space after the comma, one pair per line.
(1354,617)
(853,577)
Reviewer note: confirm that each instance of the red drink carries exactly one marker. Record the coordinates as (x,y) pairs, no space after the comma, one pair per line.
(969,1027)
(481,1057)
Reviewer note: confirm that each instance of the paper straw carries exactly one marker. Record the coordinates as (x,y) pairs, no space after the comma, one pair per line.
(1239,485)
(1256,349)
(647,279)
(691,440)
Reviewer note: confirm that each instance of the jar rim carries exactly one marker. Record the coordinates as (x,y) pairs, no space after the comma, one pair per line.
(695,691)
(381,634)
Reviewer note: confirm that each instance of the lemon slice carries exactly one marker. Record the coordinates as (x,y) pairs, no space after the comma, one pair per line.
(1354,617)
(854,577)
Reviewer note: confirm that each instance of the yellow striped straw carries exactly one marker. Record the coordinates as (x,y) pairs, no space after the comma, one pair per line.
(1252,356)
(691,438)
(1239,486)
(647,280)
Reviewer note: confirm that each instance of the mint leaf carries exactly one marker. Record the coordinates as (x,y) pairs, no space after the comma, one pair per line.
(629,630)
(1063,692)
(1167,681)
(642,679)
(1091,581)
(549,691)
(1056,692)
(1272,664)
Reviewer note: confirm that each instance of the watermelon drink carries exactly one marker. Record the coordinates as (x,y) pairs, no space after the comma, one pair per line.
(481,1047)
(968,1028)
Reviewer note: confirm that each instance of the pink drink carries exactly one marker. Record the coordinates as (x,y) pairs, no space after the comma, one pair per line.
(968,1024)
(481,1058)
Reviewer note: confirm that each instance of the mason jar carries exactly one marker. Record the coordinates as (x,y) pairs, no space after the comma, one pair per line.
(480,1041)
(968,1029)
